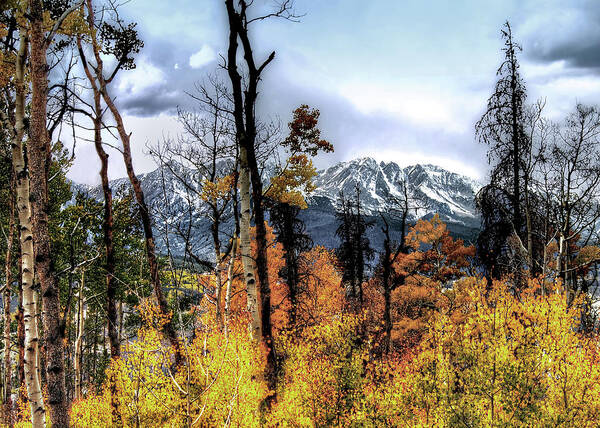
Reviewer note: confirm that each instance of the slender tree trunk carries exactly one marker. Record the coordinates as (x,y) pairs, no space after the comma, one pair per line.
(388,286)
(107,221)
(530,260)
(234,247)
(31,368)
(21,336)
(111,283)
(38,151)
(147,225)
(263,272)
(245,122)
(387,296)
(137,189)
(245,248)
(292,280)
(120,331)
(232,257)
(6,299)
(291,261)
(218,267)
(79,340)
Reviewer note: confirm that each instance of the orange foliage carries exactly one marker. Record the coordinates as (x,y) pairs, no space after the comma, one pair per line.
(321,297)
(278,289)
(420,281)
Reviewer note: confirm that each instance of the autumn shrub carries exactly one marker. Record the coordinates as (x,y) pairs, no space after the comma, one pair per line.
(218,383)
(510,360)
(323,375)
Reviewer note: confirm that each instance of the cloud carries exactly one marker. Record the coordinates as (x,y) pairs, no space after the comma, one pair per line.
(153,101)
(567,32)
(204,56)
(145,76)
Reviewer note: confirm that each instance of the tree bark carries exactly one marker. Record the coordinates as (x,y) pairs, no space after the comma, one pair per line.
(31,340)
(79,341)
(21,335)
(232,257)
(39,156)
(218,265)
(6,298)
(245,248)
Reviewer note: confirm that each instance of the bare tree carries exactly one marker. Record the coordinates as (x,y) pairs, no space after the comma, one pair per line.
(502,129)
(204,163)
(392,250)
(575,189)
(122,42)
(244,113)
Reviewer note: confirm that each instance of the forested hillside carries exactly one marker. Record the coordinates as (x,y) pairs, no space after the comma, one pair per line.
(235,284)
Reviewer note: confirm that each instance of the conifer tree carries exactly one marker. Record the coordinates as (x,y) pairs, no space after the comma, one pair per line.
(355,249)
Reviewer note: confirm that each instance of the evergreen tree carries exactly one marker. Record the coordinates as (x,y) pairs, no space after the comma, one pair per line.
(501,202)
(355,249)
(291,233)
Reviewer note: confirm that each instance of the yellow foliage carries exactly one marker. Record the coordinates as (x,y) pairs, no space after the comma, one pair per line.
(215,190)
(289,185)
(219,381)
(323,377)
(511,361)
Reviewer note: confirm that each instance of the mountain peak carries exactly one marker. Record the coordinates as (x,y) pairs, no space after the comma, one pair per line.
(449,194)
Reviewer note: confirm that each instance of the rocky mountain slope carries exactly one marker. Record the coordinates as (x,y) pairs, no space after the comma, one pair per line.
(430,189)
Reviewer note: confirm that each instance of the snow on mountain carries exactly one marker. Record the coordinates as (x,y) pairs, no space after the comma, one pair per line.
(431,189)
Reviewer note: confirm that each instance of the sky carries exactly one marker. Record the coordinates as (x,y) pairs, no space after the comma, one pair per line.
(397,80)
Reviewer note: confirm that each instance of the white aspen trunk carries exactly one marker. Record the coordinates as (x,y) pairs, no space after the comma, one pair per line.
(120,321)
(30,315)
(219,288)
(79,340)
(245,248)
(233,255)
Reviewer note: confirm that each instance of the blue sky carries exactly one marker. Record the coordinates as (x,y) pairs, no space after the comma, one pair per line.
(400,80)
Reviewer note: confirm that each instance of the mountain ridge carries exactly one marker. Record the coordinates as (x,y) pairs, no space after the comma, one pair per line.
(430,188)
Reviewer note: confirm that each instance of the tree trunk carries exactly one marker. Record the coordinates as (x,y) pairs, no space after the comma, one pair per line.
(245,248)
(30,329)
(137,189)
(218,267)
(120,331)
(107,225)
(169,330)
(79,340)
(39,155)
(21,336)
(6,298)
(263,271)
(107,221)
(232,257)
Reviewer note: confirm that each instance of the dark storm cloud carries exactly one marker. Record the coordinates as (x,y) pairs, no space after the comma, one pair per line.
(571,35)
(178,79)
(577,52)
(152,101)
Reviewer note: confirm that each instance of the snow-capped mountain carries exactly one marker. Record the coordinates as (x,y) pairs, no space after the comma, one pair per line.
(430,189)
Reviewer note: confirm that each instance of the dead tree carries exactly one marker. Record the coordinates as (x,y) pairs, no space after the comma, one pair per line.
(124,43)
(244,113)
(575,189)
(502,129)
